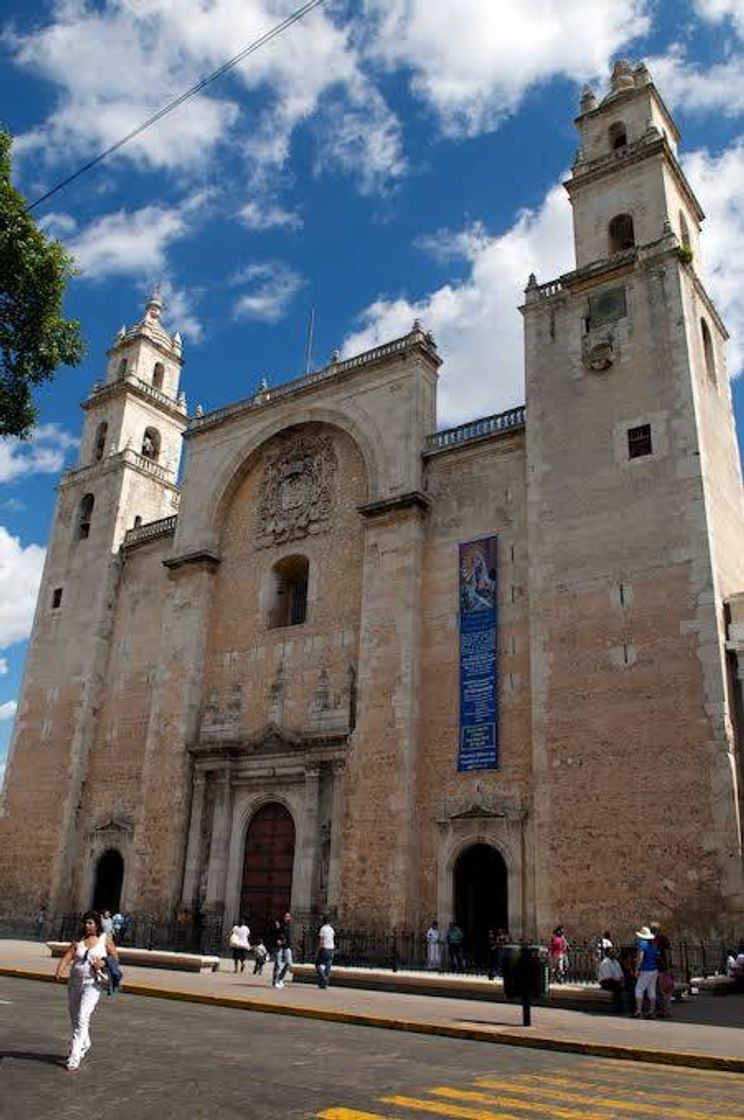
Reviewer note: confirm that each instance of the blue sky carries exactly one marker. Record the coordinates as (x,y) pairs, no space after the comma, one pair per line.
(382,160)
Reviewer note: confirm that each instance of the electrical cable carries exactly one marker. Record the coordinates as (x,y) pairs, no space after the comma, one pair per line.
(251,49)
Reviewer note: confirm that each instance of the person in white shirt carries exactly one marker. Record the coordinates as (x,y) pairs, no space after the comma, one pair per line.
(326,946)
(240,944)
(85,960)
(433,947)
(610,975)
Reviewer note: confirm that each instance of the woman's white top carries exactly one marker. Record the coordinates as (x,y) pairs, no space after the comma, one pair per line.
(81,963)
(242,937)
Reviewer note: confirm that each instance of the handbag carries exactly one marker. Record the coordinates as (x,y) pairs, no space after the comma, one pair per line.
(666,983)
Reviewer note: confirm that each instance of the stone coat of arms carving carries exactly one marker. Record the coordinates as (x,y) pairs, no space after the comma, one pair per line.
(297,492)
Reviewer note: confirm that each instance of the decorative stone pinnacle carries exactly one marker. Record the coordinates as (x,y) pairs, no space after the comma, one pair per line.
(622,76)
(198,411)
(154,305)
(417,327)
(335,356)
(588,99)
(532,282)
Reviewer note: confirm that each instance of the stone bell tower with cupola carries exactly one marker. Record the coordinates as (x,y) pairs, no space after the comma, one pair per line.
(636,541)
(126,476)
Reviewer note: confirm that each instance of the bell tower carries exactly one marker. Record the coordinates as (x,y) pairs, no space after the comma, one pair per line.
(126,475)
(636,539)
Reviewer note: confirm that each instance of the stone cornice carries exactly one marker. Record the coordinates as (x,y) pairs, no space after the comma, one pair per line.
(414,499)
(128,457)
(416,342)
(140,389)
(199,557)
(650,145)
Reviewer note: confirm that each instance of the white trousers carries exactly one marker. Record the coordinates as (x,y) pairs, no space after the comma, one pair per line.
(83,997)
(646,982)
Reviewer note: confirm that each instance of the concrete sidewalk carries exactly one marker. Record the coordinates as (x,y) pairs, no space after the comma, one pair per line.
(707,1033)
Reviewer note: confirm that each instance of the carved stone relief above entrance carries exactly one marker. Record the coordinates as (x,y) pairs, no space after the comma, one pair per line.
(298,491)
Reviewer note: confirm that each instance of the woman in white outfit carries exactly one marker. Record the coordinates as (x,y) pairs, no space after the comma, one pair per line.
(85,958)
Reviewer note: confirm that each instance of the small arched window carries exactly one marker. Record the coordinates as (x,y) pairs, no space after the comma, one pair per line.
(621,233)
(618,136)
(122,368)
(708,351)
(85,516)
(289,592)
(684,231)
(100,444)
(158,374)
(151,444)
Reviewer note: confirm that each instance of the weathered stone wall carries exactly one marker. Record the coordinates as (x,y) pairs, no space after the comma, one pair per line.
(476,491)
(627,688)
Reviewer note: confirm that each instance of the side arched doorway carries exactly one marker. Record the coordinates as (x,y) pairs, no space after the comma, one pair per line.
(108,882)
(481,897)
(266,889)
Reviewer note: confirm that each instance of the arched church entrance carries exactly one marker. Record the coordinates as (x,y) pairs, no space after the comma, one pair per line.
(481,898)
(109,879)
(267,867)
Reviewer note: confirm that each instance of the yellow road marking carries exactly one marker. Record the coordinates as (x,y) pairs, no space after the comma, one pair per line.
(608,1102)
(556,1112)
(602,1082)
(455,1111)
(671,1071)
(350,1114)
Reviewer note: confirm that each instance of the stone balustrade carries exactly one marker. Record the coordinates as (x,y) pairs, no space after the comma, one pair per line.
(476,429)
(163,527)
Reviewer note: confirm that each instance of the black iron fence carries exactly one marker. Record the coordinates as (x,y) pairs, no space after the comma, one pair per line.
(394,950)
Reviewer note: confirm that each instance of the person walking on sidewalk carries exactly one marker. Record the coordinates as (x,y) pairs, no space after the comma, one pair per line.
(326,946)
(240,944)
(558,955)
(433,947)
(86,960)
(665,979)
(283,954)
(455,939)
(647,972)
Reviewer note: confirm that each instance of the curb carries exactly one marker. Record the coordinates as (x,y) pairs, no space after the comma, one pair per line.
(689,1059)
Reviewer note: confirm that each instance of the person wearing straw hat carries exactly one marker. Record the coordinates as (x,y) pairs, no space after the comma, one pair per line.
(647,972)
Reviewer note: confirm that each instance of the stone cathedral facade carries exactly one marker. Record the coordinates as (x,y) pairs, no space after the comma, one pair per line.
(243,690)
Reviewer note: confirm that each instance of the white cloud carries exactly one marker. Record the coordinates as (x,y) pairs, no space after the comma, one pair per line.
(472,61)
(43,453)
(20,574)
(179,311)
(476,323)
(718,88)
(715,11)
(155,48)
(8,710)
(132,242)
(260,216)
(3,666)
(718,180)
(273,286)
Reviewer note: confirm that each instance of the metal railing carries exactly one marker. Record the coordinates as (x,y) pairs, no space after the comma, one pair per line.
(372,949)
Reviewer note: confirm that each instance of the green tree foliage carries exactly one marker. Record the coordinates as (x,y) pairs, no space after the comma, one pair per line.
(34,337)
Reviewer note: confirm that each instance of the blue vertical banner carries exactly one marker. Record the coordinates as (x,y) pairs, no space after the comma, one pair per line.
(479,727)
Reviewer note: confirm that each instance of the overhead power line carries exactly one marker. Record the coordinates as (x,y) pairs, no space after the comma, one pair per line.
(189,93)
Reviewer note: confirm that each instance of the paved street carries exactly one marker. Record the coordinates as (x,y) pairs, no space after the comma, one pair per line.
(152,1058)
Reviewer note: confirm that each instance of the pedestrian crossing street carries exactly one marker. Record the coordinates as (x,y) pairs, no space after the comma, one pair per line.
(585,1090)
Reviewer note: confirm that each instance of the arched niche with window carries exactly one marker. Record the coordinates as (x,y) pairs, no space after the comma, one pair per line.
(621,234)
(288,601)
(151,444)
(85,516)
(100,442)
(158,373)
(618,136)
(684,231)
(709,353)
(122,368)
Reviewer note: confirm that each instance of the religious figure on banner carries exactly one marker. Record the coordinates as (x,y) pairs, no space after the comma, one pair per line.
(477,576)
